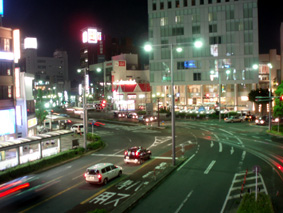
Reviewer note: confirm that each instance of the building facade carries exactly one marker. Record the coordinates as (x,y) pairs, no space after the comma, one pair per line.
(222,67)
(125,87)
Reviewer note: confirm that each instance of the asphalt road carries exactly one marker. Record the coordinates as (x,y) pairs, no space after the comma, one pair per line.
(218,156)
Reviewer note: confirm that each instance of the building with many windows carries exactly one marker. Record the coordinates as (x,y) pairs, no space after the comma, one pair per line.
(222,67)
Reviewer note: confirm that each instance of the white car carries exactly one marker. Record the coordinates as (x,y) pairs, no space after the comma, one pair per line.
(77,128)
(102,173)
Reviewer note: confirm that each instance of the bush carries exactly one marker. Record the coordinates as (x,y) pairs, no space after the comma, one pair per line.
(162,110)
(263,203)
(94,145)
(141,112)
(92,137)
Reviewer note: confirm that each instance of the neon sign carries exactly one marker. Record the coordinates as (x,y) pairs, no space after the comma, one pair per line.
(91,36)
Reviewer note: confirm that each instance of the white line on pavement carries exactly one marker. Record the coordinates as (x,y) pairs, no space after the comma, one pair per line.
(182,204)
(185,162)
(209,167)
(220,147)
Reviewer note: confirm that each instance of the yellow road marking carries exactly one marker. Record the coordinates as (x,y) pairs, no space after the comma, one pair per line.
(56,195)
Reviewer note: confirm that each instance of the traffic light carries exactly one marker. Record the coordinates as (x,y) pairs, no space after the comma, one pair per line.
(281,98)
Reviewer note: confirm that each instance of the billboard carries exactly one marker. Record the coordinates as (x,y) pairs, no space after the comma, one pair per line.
(7,123)
(30,43)
(91,36)
(1,8)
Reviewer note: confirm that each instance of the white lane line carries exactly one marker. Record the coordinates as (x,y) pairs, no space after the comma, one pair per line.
(211,144)
(119,151)
(184,201)
(227,197)
(220,147)
(232,150)
(186,162)
(209,167)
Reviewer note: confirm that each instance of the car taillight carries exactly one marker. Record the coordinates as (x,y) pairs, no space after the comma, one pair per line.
(126,153)
(85,175)
(99,176)
(137,153)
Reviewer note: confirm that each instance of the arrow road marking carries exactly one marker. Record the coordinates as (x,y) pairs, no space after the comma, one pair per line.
(232,150)
(211,144)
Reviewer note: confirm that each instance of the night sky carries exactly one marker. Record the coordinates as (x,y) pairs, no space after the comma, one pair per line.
(57,23)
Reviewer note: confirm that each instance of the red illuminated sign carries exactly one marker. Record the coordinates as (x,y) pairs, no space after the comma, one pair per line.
(122,63)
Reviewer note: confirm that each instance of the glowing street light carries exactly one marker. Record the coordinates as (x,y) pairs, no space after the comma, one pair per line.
(148,48)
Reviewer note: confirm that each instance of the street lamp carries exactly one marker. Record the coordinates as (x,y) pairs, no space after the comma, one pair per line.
(84,106)
(148,48)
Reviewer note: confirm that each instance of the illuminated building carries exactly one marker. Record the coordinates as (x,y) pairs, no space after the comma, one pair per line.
(126,87)
(229,32)
(49,72)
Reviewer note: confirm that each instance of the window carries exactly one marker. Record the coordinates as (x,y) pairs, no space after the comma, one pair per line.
(154,6)
(161,5)
(209,1)
(6,44)
(218,1)
(185,3)
(215,40)
(196,30)
(201,2)
(177,19)
(177,31)
(212,16)
(169,4)
(248,49)
(229,14)
(212,28)
(177,4)
(197,76)
(193,2)
(248,12)
(227,0)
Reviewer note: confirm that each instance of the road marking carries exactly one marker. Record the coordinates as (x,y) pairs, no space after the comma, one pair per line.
(182,204)
(56,195)
(209,167)
(232,150)
(227,196)
(211,144)
(220,147)
(185,162)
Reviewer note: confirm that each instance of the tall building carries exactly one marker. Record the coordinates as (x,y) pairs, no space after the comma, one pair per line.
(51,73)
(222,67)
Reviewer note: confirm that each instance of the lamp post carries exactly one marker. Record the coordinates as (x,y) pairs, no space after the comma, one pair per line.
(99,69)
(148,48)
(270,107)
(84,106)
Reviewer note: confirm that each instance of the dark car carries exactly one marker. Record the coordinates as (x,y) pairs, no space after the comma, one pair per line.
(262,120)
(132,115)
(136,155)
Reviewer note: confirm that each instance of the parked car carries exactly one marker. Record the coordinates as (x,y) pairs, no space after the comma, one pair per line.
(102,173)
(77,128)
(136,155)
(233,119)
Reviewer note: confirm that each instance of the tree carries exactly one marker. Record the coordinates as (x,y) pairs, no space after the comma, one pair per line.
(259,92)
(278,108)
(40,111)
